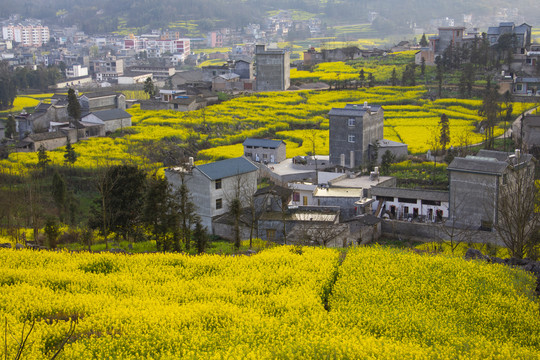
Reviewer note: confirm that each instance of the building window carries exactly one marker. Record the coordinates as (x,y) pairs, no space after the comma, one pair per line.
(265,156)
(219,204)
(248,154)
(296,196)
(218,184)
(352,138)
(352,122)
(270,234)
(519,87)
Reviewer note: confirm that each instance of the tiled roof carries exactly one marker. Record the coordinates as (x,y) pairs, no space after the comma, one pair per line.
(100,94)
(422,194)
(227,168)
(112,114)
(272,144)
(46,136)
(486,165)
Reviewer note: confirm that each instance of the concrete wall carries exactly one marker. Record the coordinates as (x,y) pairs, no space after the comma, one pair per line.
(271,156)
(226,231)
(113,125)
(434,232)
(245,70)
(204,193)
(347,206)
(51,144)
(273,70)
(473,198)
(367,130)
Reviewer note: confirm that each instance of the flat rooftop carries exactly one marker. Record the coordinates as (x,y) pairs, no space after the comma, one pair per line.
(359,182)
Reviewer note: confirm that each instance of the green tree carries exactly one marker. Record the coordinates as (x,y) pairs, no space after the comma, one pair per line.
(73,107)
(362,77)
(235,208)
(386,161)
(11,127)
(59,192)
(70,156)
(43,157)
(371,80)
(157,210)
(423,41)
(149,87)
(186,216)
(444,137)
(200,237)
(120,205)
(423,66)
(52,232)
(489,111)
(393,78)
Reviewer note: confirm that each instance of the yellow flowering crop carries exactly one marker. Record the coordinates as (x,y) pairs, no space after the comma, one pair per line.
(284,302)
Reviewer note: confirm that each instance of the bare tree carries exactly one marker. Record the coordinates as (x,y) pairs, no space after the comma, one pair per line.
(517,211)
(453,231)
(319,233)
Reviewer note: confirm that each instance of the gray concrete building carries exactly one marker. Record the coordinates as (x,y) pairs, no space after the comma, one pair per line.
(273,69)
(476,182)
(353,132)
(212,186)
(265,150)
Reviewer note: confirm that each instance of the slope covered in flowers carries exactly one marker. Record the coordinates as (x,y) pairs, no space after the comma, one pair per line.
(284,302)
(409,118)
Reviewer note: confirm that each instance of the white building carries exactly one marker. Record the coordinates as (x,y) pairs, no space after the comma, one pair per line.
(27,34)
(405,204)
(212,186)
(76,71)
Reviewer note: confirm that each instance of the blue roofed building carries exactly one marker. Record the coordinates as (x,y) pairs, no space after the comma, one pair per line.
(265,150)
(213,186)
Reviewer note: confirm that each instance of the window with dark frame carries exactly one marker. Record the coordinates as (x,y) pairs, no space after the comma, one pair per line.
(218,184)
(219,204)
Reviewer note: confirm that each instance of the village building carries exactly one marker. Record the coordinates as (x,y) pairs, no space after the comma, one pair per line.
(410,204)
(353,132)
(273,69)
(476,182)
(265,150)
(214,185)
(111,120)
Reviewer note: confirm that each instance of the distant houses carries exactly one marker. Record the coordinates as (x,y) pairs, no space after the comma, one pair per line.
(50,125)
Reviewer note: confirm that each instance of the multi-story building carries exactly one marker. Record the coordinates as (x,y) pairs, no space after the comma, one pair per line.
(107,69)
(477,182)
(27,34)
(156,46)
(213,186)
(273,69)
(354,130)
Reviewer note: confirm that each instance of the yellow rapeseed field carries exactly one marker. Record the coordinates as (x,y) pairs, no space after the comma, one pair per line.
(285,302)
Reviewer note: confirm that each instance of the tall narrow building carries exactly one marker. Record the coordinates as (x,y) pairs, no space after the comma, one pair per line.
(354,130)
(273,69)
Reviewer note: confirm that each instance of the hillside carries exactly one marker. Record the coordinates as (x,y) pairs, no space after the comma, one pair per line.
(106,16)
(286,302)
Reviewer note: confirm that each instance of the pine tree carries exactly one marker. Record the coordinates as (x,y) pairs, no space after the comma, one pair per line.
(423,66)
(423,41)
(200,237)
(43,157)
(73,107)
(445,131)
(394,77)
(70,156)
(371,80)
(362,77)
(11,127)
(149,87)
